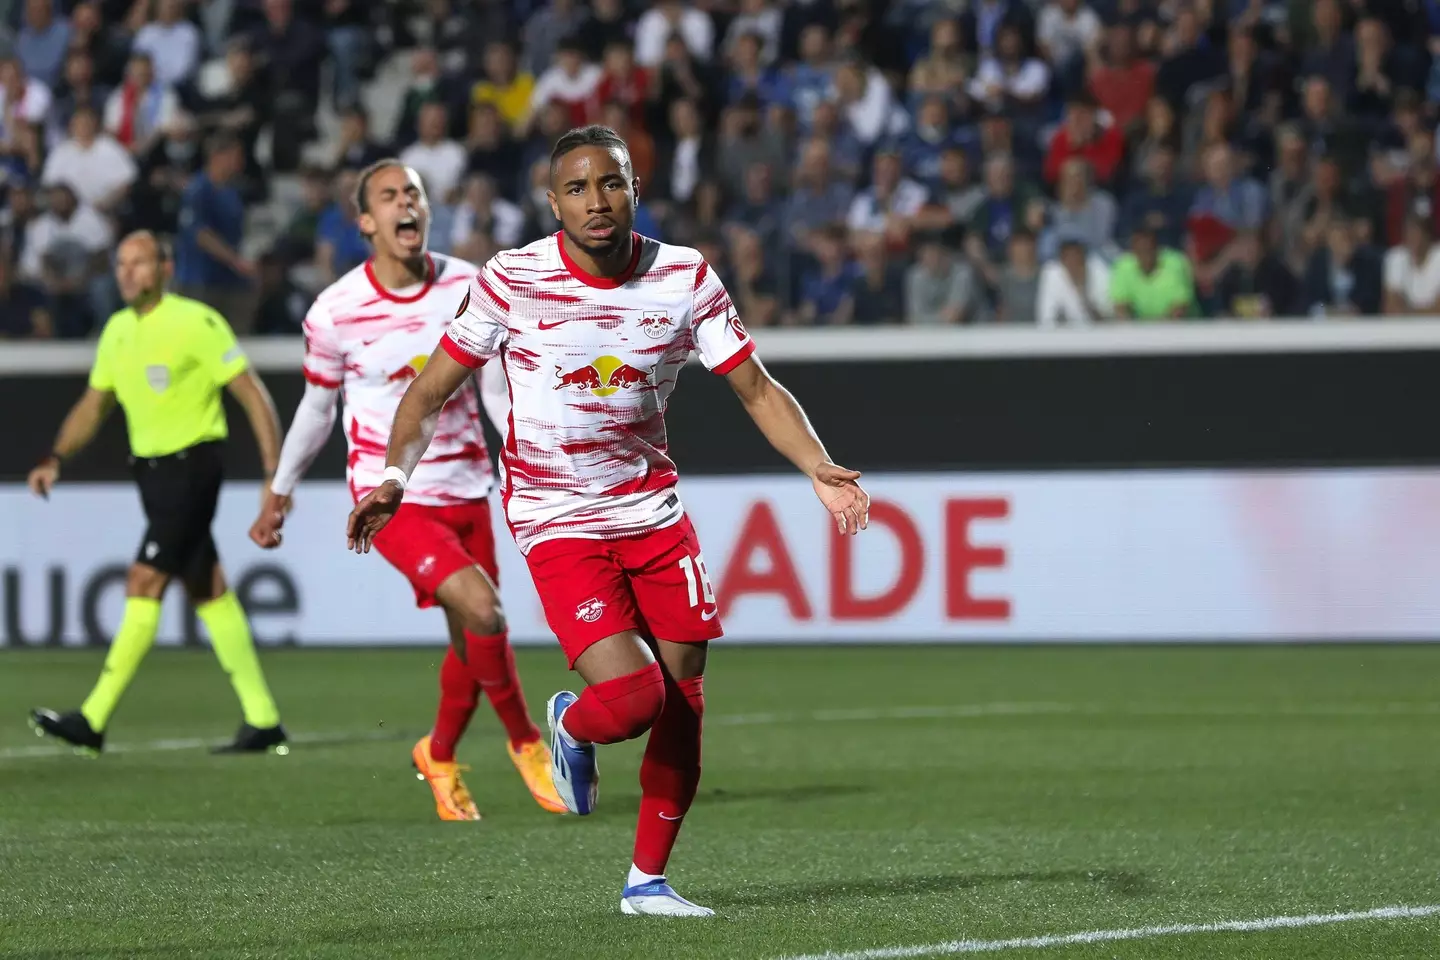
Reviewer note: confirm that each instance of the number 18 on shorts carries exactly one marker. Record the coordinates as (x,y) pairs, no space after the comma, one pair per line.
(655,583)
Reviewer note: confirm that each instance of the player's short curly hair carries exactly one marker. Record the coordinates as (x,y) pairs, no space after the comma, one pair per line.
(594,135)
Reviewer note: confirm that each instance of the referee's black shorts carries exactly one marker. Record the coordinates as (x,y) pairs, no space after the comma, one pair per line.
(180,493)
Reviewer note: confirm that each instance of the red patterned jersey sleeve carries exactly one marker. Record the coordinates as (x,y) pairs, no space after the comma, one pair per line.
(481,322)
(324,357)
(720,337)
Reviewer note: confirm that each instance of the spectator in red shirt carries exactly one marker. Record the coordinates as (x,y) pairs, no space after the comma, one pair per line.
(622,82)
(1123,84)
(1082,136)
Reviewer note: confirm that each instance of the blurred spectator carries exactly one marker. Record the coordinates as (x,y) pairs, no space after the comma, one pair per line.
(1412,271)
(813,77)
(1331,54)
(1225,204)
(1081,212)
(1160,127)
(1417,193)
(239,106)
(546,28)
(77,89)
(290,51)
(1161,200)
(1002,209)
(1017,283)
(941,288)
(865,101)
(492,150)
(439,160)
(744,142)
(823,287)
(891,201)
(682,76)
(44,38)
(66,255)
(355,148)
(504,85)
(847,153)
(1082,136)
(621,82)
(1328,129)
(141,108)
(22,307)
(1291,192)
(750,76)
(1256,285)
(758,210)
(754,287)
(955,196)
(107,43)
(1151,282)
(1074,287)
(93,163)
(347,38)
(301,234)
(757,18)
(984,20)
(1248,76)
(1067,33)
(877,292)
(929,138)
(817,200)
(483,213)
(1189,59)
(339,244)
(1326,202)
(685,160)
(171,42)
(608,23)
(1011,81)
(282,305)
(673,18)
(24,104)
(208,263)
(1122,83)
(1342,278)
(570,82)
(617,117)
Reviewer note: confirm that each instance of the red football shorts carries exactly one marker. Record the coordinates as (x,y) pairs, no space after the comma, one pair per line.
(654,583)
(429,544)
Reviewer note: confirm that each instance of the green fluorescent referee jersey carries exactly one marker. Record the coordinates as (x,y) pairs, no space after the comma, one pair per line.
(167,369)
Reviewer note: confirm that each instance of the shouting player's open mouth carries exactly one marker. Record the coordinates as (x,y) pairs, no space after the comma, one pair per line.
(600,229)
(407,231)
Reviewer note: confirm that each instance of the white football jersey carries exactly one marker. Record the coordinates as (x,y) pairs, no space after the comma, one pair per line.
(590,362)
(370,343)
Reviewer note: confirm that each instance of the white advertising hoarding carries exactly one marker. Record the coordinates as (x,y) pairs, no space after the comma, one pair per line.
(1127,555)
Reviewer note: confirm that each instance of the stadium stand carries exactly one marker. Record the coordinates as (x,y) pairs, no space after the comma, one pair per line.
(839,161)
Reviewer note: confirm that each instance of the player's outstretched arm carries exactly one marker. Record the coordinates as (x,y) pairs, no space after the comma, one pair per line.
(78,429)
(410,436)
(779,416)
(314,420)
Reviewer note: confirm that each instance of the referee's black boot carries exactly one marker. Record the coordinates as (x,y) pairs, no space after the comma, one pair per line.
(71,727)
(256,740)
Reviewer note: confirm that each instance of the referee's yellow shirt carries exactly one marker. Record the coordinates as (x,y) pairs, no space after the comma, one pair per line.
(167,370)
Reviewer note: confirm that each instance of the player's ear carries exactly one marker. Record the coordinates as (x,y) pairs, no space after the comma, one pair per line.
(554,207)
(366,223)
(635,192)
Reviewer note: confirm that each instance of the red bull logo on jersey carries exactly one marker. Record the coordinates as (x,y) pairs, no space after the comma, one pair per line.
(656,324)
(602,376)
(410,371)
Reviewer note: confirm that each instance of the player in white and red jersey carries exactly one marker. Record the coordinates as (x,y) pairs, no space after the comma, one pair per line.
(367,336)
(591,327)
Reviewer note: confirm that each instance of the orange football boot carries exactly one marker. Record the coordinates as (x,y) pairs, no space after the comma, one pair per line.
(533,762)
(452,799)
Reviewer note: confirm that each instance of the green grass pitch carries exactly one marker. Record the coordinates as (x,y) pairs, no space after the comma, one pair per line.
(853,798)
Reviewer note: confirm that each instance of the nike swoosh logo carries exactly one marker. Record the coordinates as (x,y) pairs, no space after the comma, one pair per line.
(663,817)
(551,326)
(711,615)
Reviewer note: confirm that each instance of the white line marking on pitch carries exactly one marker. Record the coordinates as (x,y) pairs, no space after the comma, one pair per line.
(850,715)
(952,947)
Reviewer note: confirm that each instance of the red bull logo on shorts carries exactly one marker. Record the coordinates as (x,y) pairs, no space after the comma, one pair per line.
(602,376)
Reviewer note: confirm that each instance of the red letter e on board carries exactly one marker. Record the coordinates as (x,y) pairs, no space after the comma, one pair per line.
(962,557)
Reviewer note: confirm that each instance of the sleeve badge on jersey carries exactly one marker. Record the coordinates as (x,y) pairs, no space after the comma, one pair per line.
(464,305)
(736,327)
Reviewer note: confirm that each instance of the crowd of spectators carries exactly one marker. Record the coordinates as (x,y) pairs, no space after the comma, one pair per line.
(928,162)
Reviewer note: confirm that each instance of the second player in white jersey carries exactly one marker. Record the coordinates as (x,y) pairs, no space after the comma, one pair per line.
(368,343)
(585,358)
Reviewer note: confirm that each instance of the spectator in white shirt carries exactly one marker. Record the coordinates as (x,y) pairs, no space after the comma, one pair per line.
(761,18)
(672,16)
(172,42)
(142,108)
(1009,78)
(93,163)
(23,99)
(569,81)
(1074,288)
(1412,272)
(65,253)
(484,214)
(867,102)
(439,160)
(1068,29)
(890,202)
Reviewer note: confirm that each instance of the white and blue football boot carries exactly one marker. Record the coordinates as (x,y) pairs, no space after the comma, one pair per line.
(656,898)
(573,767)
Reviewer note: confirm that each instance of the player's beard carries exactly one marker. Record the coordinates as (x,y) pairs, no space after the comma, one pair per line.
(613,250)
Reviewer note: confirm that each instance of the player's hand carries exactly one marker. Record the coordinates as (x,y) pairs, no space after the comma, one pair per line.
(846,500)
(43,478)
(265,531)
(371,514)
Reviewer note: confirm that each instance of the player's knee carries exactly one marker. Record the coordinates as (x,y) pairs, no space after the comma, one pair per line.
(484,617)
(640,706)
(145,581)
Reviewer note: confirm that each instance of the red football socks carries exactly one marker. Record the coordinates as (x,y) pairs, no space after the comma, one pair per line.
(492,665)
(618,709)
(669,773)
(459,694)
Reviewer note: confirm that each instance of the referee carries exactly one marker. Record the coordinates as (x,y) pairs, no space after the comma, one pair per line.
(165,359)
